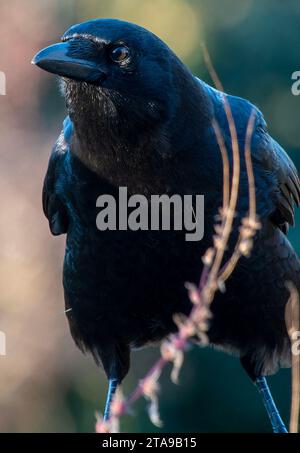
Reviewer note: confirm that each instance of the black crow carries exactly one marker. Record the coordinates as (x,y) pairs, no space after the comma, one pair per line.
(138,118)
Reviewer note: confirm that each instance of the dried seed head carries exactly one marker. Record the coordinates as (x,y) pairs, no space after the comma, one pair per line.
(218,229)
(246,232)
(172,351)
(218,242)
(149,385)
(221,285)
(208,257)
(194,293)
(153,412)
(150,389)
(185,326)
(245,247)
(118,404)
(102,427)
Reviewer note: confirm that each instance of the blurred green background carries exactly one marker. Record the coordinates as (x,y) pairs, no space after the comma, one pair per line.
(46,384)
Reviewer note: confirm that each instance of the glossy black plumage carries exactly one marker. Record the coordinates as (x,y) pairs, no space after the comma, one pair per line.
(148,126)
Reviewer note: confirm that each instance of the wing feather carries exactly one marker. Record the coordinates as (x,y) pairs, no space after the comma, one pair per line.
(53,207)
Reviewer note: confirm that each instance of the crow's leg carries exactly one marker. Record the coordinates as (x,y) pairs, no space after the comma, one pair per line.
(115,358)
(261,383)
(112,387)
(276,421)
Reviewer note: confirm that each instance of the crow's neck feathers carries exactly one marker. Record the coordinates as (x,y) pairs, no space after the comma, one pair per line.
(114,134)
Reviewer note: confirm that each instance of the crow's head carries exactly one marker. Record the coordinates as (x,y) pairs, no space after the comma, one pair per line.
(124,85)
(118,61)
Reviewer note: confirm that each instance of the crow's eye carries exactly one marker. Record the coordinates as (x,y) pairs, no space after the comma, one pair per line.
(119,54)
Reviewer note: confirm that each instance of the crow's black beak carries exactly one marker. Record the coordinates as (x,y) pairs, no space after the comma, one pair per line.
(63,60)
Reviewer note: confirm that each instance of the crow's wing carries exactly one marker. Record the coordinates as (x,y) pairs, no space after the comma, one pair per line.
(53,206)
(283,175)
(277,180)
